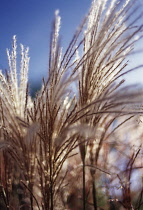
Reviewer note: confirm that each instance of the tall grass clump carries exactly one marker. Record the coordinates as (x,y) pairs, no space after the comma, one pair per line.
(78,143)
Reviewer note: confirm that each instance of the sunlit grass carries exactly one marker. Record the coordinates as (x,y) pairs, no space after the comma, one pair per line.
(74,146)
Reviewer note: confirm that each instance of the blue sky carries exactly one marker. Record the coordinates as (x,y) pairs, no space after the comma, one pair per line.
(30,21)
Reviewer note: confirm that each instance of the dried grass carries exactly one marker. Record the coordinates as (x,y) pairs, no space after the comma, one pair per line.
(67,148)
